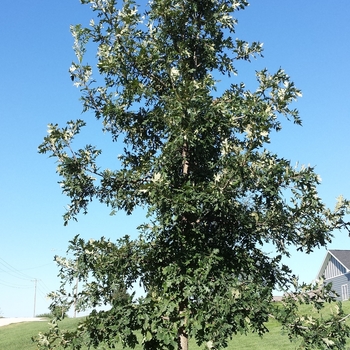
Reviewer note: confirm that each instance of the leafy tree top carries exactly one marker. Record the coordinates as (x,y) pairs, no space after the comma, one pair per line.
(198,162)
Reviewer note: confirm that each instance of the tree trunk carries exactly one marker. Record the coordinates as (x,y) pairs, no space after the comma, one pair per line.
(182,340)
(183,336)
(185,163)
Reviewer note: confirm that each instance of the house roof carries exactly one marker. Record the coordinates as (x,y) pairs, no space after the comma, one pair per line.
(343,256)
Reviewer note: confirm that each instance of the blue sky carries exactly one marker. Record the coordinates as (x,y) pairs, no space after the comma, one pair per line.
(310,40)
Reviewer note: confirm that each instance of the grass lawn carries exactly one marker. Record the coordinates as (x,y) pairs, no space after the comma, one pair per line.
(18,336)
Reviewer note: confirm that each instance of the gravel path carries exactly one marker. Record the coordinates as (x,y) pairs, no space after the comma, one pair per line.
(8,320)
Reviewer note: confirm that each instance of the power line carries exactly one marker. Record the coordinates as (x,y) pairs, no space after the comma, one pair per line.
(13,270)
(36,267)
(13,275)
(10,270)
(16,286)
(42,292)
(45,286)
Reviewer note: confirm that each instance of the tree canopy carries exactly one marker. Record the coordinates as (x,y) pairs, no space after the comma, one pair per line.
(198,161)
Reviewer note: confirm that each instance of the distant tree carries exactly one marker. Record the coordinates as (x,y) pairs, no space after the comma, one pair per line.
(198,161)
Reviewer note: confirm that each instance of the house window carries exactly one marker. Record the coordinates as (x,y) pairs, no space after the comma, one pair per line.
(344,292)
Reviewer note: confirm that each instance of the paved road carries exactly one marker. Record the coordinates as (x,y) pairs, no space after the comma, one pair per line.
(8,320)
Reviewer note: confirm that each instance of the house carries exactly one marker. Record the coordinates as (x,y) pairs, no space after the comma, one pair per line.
(336,270)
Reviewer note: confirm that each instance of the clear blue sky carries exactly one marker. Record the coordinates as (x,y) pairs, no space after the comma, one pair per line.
(309,39)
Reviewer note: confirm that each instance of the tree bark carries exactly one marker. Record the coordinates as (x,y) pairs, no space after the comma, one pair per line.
(182,340)
(185,163)
(182,335)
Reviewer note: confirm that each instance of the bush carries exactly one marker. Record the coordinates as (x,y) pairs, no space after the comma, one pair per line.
(58,312)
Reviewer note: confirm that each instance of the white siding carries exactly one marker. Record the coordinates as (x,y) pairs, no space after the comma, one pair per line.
(338,284)
(334,268)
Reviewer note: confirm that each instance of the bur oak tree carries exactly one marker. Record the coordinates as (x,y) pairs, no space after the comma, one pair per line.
(196,157)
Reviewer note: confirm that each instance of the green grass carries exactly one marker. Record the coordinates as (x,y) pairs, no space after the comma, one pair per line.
(18,336)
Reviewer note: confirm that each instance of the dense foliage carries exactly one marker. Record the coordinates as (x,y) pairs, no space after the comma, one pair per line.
(198,162)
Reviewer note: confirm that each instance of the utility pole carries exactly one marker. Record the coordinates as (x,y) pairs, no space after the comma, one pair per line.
(35,284)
